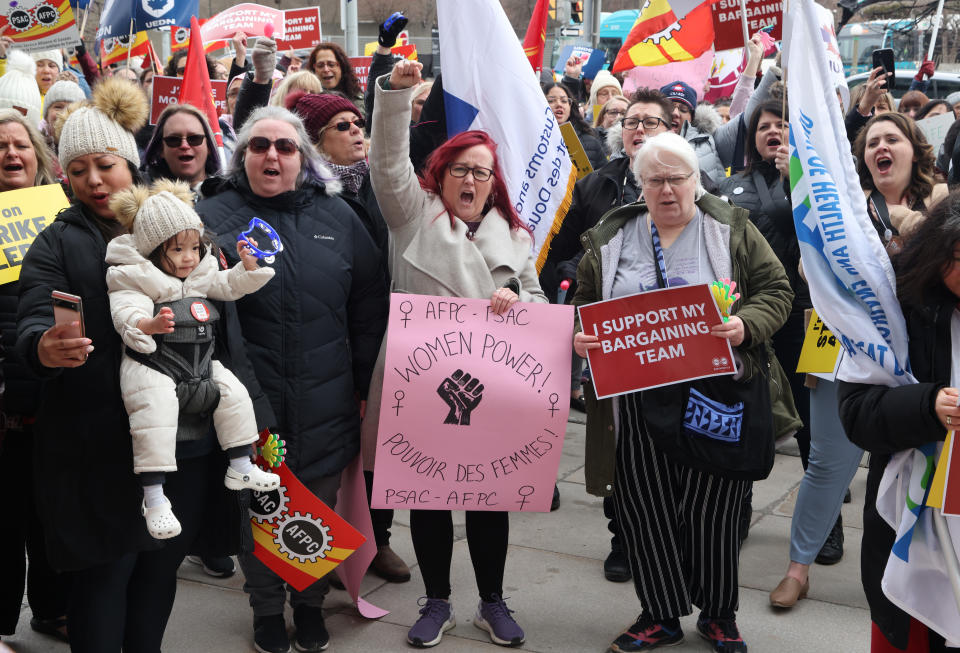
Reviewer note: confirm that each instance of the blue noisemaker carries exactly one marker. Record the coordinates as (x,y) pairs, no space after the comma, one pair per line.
(267,254)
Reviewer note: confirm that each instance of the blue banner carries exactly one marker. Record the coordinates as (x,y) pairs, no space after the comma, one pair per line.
(147,14)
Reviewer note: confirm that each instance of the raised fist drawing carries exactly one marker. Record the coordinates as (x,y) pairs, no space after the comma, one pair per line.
(461,392)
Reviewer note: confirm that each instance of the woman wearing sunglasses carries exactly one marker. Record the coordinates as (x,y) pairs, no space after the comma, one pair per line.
(454,232)
(312,333)
(182,147)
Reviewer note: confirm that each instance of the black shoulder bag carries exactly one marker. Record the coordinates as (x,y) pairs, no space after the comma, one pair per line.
(718,425)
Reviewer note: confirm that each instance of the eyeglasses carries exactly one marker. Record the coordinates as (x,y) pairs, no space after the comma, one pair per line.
(174,140)
(261,144)
(479,173)
(649,123)
(326,64)
(658,182)
(615,112)
(558,100)
(344,125)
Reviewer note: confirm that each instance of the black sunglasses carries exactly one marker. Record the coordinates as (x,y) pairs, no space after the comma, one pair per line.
(261,144)
(174,140)
(344,125)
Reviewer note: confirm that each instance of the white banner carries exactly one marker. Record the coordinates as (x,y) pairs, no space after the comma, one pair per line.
(489,85)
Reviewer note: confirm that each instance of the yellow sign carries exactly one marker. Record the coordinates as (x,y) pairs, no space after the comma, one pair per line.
(577,154)
(821,349)
(25,213)
(939,484)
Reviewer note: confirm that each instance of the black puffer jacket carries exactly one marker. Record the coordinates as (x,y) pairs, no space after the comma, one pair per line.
(762,192)
(314,331)
(88,496)
(607,188)
(21,389)
(886,420)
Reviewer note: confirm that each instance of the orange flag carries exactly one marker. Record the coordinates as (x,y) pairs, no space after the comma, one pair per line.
(666,32)
(536,37)
(196,88)
(114,50)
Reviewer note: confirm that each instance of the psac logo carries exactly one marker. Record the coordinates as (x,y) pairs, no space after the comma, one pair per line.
(21,19)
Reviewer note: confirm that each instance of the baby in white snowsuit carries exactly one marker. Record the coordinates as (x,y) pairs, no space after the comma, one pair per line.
(165,259)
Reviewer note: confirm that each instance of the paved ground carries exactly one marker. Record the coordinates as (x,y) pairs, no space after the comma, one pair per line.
(555,583)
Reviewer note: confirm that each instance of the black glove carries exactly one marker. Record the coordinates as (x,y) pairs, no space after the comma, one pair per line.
(80,50)
(390,28)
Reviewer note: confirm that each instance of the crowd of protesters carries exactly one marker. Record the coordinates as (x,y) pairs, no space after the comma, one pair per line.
(681,192)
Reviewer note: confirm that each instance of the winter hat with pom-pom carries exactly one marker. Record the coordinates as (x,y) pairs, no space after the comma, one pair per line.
(316,109)
(63,91)
(18,87)
(50,55)
(104,125)
(155,214)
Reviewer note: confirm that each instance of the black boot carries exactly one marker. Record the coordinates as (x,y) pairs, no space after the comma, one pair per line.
(832,550)
(270,634)
(615,567)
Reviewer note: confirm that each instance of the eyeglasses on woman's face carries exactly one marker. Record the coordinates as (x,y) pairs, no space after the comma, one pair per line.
(649,123)
(558,100)
(460,170)
(284,146)
(344,125)
(174,140)
(657,183)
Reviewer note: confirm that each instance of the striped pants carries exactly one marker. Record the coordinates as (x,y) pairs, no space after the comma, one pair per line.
(680,526)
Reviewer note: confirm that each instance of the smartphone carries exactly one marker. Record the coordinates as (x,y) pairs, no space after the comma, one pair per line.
(883,58)
(67,309)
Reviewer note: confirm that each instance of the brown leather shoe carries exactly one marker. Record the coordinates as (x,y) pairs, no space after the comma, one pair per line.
(788,592)
(389,566)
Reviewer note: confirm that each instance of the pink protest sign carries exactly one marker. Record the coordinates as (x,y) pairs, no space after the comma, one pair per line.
(248,18)
(474,405)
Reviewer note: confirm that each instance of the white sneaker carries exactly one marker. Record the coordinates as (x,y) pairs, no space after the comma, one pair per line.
(255,479)
(161,522)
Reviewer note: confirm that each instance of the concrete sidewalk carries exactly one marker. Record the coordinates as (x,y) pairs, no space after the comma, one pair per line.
(554,581)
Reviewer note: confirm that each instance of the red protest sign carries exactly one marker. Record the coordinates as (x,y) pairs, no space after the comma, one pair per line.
(655,338)
(361,69)
(301,29)
(166,90)
(727,30)
(248,18)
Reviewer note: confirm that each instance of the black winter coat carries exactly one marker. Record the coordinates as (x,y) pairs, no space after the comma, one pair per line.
(313,332)
(602,190)
(772,213)
(885,420)
(21,389)
(88,496)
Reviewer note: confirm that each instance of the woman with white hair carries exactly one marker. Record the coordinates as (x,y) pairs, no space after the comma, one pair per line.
(678,234)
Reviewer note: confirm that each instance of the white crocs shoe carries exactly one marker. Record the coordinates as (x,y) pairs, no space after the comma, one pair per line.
(161,522)
(255,479)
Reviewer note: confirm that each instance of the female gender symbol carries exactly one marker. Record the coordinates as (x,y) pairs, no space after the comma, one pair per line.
(554,398)
(524,491)
(398,395)
(406,308)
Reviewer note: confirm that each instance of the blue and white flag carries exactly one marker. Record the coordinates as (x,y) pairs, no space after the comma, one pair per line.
(488,85)
(853,288)
(146,14)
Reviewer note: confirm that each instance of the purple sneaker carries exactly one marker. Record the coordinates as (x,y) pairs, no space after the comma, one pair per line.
(494,617)
(436,618)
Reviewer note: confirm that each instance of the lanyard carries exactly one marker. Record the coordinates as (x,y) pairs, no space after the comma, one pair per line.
(658,255)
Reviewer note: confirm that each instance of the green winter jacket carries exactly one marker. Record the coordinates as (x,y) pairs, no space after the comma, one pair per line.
(765,300)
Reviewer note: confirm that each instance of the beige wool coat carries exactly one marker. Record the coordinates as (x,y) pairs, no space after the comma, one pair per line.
(427,255)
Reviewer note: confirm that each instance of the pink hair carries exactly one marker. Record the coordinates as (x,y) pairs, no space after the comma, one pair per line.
(436,167)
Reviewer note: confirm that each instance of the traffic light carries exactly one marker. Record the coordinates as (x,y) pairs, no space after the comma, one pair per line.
(576,11)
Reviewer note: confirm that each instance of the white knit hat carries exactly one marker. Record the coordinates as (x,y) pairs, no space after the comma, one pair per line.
(603,80)
(157,213)
(118,110)
(52,55)
(18,87)
(63,91)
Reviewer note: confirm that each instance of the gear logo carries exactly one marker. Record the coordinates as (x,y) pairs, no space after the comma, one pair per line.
(303,537)
(20,19)
(156,8)
(180,36)
(46,14)
(266,507)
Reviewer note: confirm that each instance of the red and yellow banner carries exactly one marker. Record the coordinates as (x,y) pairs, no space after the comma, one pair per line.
(658,37)
(298,536)
(40,25)
(180,38)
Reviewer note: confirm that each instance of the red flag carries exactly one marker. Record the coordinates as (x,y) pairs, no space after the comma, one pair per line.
(151,60)
(536,36)
(196,88)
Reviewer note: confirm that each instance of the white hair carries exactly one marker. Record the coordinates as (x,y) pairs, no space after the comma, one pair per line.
(667,143)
